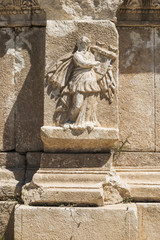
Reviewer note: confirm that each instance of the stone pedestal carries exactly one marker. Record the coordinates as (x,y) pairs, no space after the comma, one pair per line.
(58,139)
(78,179)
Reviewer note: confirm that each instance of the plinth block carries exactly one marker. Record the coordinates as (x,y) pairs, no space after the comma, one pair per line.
(60,139)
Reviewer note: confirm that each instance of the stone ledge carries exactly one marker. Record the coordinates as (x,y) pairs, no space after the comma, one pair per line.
(59,139)
(22,20)
(144,183)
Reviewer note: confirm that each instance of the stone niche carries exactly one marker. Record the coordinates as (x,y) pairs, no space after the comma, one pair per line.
(80,107)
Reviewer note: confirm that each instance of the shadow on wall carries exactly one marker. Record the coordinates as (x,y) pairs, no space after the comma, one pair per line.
(29,67)
(22,53)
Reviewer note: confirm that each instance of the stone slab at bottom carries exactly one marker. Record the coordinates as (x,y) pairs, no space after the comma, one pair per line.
(118,222)
(148,221)
(60,139)
(6,219)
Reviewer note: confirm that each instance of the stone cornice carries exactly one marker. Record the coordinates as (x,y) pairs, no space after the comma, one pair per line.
(139,12)
(21,13)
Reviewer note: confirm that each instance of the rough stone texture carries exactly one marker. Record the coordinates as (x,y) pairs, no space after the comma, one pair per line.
(33,164)
(118,222)
(29,77)
(7,220)
(136,88)
(148,221)
(137,159)
(12,174)
(67,32)
(7,86)
(157,88)
(83,9)
(96,160)
(56,139)
(141,172)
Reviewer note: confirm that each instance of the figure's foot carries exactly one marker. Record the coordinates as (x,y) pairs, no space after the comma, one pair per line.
(78,126)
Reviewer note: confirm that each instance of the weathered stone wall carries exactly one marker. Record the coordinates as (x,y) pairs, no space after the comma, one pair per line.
(22,64)
(22,60)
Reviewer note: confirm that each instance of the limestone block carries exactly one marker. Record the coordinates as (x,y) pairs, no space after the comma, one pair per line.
(118,222)
(7,220)
(7,86)
(56,139)
(67,33)
(157,89)
(141,172)
(29,76)
(136,88)
(67,10)
(33,164)
(137,159)
(75,161)
(12,174)
(73,179)
(148,221)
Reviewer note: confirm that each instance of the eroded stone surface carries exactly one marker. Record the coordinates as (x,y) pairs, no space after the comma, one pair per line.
(148,221)
(118,222)
(12,174)
(7,220)
(88,9)
(102,33)
(137,159)
(7,86)
(157,89)
(29,76)
(136,88)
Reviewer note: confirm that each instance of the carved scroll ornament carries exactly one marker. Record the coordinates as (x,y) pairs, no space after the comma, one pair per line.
(78,79)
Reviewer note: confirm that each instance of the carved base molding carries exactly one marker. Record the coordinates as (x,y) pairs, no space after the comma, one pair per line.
(144,183)
(52,187)
(59,139)
(89,182)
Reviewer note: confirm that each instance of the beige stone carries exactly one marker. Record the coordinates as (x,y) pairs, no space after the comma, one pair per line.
(144,183)
(7,220)
(68,32)
(76,186)
(157,89)
(7,86)
(12,174)
(73,178)
(29,76)
(33,164)
(137,159)
(148,221)
(67,10)
(118,222)
(141,172)
(57,139)
(76,160)
(136,88)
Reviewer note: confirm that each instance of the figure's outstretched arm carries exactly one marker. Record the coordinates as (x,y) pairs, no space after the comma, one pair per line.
(80,61)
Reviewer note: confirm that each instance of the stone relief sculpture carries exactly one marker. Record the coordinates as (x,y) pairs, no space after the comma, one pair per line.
(78,80)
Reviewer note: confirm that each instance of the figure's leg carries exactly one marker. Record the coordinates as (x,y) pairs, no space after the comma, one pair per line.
(78,100)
